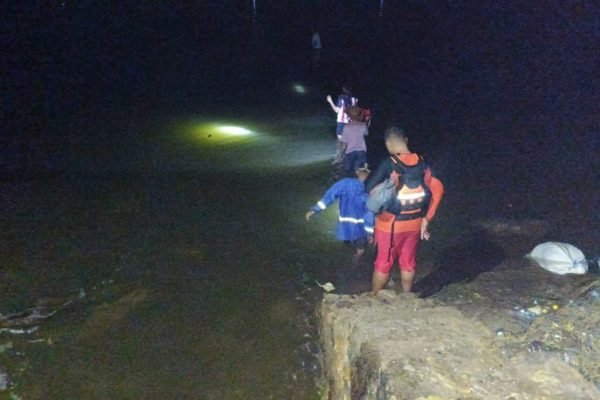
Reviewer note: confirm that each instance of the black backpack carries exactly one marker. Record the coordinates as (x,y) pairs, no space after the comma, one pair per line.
(412,194)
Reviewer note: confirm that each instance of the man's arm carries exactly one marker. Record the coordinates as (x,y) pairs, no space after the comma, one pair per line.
(437,192)
(329,197)
(382,172)
(335,108)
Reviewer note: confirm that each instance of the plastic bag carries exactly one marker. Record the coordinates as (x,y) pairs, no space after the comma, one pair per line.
(381,196)
(560,258)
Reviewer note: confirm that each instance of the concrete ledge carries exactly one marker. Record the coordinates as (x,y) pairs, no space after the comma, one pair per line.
(401,347)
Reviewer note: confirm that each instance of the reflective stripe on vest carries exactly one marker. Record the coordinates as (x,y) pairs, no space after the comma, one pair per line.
(411,196)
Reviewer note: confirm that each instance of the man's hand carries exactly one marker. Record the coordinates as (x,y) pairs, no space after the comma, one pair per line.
(309,214)
(425,235)
(333,106)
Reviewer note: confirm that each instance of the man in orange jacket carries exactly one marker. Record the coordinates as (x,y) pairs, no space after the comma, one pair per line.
(399,229)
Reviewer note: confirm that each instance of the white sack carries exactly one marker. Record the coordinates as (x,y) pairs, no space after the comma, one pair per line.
(560,258)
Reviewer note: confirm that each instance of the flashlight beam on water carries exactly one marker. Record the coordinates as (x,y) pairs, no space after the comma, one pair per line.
(233,130)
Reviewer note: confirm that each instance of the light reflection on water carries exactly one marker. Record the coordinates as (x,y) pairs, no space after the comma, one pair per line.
(251,144)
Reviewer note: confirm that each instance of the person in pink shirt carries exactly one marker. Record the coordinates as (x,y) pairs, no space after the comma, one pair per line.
(353,139)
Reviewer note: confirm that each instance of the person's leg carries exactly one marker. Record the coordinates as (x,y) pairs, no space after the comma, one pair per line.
(408,259)
(360,245)
(348,161)
(383,261)
(406,279)
(339,155)
(358,160)
(339,152)
(379,281)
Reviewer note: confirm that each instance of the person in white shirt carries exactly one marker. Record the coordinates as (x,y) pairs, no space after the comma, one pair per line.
(344,101)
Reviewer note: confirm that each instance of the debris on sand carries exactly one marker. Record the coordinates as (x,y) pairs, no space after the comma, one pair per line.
(510,227)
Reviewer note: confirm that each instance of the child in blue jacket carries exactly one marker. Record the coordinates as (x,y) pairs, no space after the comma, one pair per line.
(352,210)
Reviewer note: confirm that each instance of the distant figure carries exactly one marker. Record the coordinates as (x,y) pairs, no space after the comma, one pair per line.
(316,41)
(316,51)
(352,210)
(353,139)
(344,100)
(400,228)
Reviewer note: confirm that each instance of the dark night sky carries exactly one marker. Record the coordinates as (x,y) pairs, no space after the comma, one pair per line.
(454,60)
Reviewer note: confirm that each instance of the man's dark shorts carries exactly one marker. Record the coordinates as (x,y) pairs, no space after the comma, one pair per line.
(354,160)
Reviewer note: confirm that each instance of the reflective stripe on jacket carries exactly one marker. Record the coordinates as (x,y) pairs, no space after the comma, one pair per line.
(351,217)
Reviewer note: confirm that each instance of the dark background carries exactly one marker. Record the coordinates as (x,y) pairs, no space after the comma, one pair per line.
(513,77)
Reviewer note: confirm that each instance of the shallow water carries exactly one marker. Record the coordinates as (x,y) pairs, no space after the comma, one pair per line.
(198,269)
(219,248)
